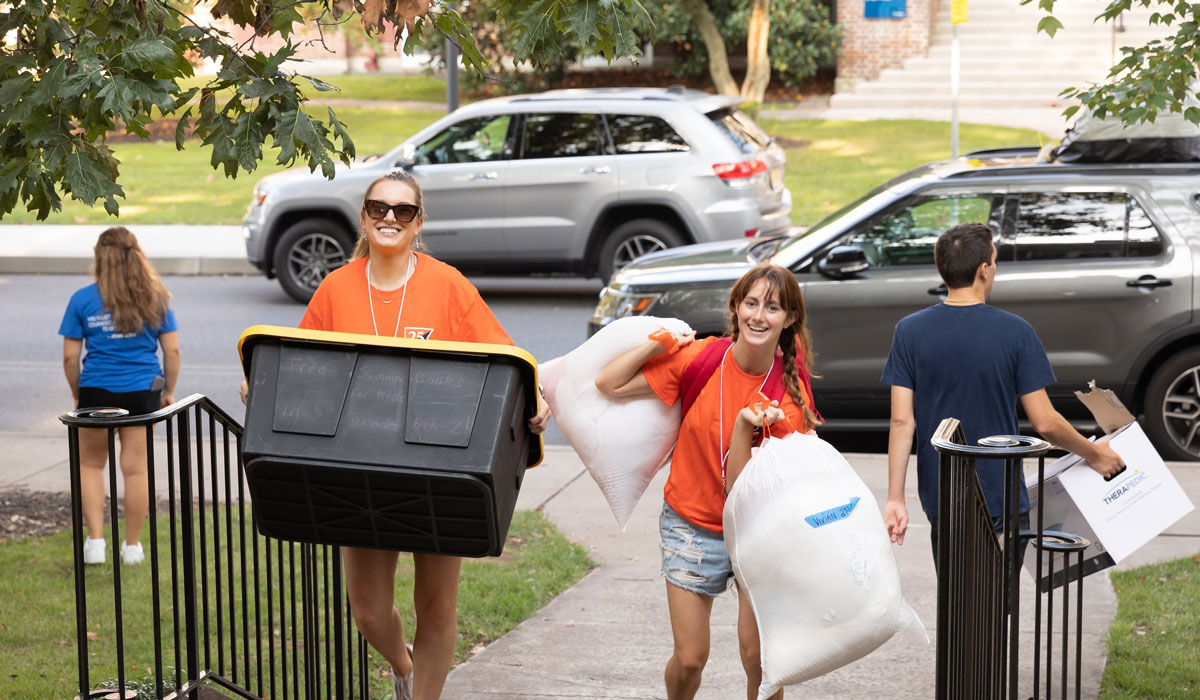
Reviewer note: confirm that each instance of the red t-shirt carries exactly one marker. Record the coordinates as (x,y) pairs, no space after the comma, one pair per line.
(439,304)
(694,487)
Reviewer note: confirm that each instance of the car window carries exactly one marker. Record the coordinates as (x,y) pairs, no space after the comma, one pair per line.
(468,141)
(636,133)
(1076,225)
(905,235)
(562,135)
(741,130)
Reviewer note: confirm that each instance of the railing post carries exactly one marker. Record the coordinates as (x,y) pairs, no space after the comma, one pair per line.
(190,623)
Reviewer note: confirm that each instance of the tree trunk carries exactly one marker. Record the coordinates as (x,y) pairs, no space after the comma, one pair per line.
(718,62)
(758,65)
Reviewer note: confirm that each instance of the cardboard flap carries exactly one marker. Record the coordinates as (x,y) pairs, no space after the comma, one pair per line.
(1106,408)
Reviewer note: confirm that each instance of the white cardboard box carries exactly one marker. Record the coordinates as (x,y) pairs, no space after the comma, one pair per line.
(1117,516)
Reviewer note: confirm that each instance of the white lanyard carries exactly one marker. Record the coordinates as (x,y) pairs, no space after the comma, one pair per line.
(371,300)
(721,411)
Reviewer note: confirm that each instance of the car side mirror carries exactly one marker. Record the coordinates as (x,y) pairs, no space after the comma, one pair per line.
(843,261)
(407,157)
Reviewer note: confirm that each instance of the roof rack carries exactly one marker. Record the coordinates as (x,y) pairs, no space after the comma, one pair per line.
(1005,152)
(1055,168)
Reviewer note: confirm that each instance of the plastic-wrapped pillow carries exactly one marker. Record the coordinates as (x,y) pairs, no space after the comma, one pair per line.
(622,442)
(810,549)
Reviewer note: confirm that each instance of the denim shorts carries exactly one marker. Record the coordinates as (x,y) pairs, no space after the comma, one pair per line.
(693,558)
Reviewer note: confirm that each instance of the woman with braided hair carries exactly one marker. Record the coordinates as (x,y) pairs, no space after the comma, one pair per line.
(756,379)
(123,319)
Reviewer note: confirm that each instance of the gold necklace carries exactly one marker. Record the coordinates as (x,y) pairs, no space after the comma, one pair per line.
(962,301)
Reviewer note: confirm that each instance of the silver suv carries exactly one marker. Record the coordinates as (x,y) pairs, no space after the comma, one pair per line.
(1101,258)
(578,181)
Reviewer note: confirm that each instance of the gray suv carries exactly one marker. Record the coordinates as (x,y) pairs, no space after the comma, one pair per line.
(1101,258)
(577,181)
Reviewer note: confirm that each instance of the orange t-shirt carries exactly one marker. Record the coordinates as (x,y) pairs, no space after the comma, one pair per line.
(694,486)
(440,304)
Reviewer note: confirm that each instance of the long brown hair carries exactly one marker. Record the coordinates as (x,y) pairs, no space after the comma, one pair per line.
(129,286)
(795,339)
(362,247)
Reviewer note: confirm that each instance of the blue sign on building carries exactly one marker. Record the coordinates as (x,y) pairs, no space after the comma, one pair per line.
(885,9)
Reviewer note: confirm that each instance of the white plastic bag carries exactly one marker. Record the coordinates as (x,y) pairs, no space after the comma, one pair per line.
(810,549)
(622,442)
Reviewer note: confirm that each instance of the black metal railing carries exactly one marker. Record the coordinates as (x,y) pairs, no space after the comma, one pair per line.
(260,617)
(979,569)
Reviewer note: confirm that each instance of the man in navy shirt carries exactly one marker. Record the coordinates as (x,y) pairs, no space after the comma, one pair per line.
(967,360)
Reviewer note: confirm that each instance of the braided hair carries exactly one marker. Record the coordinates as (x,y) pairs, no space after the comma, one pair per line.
(795,339)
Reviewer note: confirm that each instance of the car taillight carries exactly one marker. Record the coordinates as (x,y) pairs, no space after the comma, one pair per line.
(740,170)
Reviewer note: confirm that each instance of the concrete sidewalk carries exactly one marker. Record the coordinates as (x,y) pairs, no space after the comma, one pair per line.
(609,635)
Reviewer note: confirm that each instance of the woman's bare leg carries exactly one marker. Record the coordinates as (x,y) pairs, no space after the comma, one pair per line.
(371,586)
(133,468)
(435,598)
(93,455)
(750,650)
(690,614)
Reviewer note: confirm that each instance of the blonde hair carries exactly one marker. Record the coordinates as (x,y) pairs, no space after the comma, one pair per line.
(362,247)
(129,286)
(794,338)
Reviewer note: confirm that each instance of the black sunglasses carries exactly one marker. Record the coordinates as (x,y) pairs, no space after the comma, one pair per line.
(404,213)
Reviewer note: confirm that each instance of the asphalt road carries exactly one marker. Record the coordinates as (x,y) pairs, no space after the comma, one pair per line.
(547,317)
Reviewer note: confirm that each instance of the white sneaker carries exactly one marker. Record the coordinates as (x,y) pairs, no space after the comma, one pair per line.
(132,553)
(93,551)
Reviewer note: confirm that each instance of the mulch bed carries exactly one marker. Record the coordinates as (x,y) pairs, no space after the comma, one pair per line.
(25,513)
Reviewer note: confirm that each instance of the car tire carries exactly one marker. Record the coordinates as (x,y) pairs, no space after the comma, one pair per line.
(631,239)
(308,251)
(1172,407)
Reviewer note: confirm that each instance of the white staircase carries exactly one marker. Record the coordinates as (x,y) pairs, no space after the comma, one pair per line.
(1004,63)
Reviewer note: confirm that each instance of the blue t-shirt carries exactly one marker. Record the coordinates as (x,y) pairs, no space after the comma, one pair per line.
(117,362)
(971,363)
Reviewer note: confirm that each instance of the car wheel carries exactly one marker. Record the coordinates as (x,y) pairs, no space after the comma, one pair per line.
(632,239)
(307,252)
(1172,407)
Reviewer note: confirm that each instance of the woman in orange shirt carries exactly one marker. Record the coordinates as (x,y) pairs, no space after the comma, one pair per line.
(767,327)
(370,294)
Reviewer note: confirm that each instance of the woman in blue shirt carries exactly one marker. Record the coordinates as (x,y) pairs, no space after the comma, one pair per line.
(122,319)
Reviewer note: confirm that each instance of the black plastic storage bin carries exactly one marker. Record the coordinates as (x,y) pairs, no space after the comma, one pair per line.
(410,445)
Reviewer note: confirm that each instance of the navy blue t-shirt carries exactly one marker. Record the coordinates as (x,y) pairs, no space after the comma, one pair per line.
(971,363)
(116,362)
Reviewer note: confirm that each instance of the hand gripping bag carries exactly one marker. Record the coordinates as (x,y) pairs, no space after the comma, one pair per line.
(810,549)
(622,442)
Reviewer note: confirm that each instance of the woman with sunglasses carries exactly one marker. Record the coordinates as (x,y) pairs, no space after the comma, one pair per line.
(389,289)
(768,351)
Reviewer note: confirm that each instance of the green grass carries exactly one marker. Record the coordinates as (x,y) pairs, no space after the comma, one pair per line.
(37,606)
(166,186)
(1154,641)
(379,86)
(830,164)
(843,160)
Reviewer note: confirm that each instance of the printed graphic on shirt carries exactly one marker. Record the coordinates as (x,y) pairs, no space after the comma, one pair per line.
(104,323)
(417,333)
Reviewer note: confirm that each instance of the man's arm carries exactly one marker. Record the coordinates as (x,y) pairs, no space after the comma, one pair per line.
(900,439)
(1050,424)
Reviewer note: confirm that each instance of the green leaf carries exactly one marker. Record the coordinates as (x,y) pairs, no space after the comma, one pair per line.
(149,52)
(1070,111)
(1192,114)
(12,89)
(1050,25)
(181,129)
(342,135)
(248,138)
